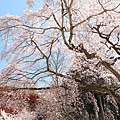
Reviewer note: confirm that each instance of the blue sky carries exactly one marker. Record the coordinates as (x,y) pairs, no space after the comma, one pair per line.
(14,7)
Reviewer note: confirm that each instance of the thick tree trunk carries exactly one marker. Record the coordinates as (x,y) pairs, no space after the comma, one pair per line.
(90,118)
(102,117)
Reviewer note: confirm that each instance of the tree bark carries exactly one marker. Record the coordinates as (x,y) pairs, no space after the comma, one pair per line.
(102,117)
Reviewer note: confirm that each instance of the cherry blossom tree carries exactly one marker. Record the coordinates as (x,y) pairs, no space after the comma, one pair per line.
(77,41)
